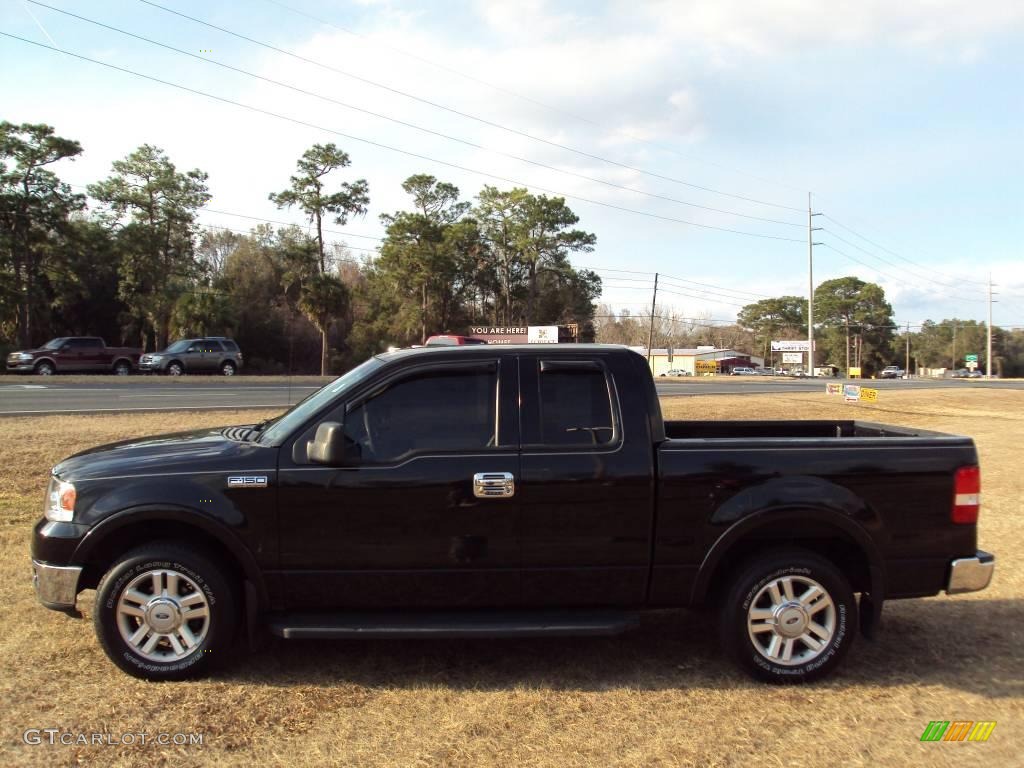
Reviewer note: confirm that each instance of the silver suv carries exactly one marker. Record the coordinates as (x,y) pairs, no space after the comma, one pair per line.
(211,354)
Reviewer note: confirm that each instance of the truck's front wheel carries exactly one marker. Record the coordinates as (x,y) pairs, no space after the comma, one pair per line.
(164,612)
(789,616)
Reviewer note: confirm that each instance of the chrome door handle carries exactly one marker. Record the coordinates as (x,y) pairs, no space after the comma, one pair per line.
(494,485)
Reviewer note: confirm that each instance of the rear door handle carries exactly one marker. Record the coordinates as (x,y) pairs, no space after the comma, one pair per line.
(494,485)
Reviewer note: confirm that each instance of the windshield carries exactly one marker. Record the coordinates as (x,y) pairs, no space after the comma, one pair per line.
(278,430)
(54,343)
(178,346)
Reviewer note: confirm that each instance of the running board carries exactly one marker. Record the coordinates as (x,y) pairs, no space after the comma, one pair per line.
(452,625)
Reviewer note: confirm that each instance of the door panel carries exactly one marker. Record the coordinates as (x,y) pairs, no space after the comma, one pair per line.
(587,490)
(403,528)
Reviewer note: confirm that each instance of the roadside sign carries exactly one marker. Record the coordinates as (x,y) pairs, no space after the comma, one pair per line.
(792,357)
(854,372)
(970,358)
(972,364)
(868,394)
(706,366)
(851,393)
(833,389)
(790,346)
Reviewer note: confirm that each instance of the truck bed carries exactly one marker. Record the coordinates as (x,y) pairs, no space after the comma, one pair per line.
(708,430)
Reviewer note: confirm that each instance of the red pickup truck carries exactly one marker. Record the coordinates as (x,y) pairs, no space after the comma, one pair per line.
(75,354)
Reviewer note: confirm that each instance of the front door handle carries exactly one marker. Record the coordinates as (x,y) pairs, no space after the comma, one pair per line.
(494,485)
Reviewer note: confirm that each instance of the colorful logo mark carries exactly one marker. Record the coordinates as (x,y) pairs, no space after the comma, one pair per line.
(958,730)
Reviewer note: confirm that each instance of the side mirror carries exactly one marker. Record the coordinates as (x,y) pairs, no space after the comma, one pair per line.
(328,447)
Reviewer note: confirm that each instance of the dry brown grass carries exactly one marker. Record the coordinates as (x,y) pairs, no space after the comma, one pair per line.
(660,696)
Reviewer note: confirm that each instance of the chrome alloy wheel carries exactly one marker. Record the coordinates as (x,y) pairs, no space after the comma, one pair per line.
(791,620)
(163,615)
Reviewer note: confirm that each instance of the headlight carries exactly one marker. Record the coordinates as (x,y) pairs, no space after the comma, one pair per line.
(60,501)
(156,358)
(24,356)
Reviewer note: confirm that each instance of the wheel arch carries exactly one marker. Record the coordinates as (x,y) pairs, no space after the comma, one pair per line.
(110,539)
(122,359)
(820,530)
(40,360)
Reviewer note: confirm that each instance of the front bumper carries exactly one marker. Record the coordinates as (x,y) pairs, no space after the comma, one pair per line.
(56,585)
(971,574)
(19,367)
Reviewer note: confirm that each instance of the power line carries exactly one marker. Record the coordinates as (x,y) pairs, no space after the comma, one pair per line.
(887,261)
(415,126)
(531,100)
(885,274)
(460,113)
(408,153)
(890,252)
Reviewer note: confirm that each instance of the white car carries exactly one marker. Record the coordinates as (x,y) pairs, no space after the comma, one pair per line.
(743,371)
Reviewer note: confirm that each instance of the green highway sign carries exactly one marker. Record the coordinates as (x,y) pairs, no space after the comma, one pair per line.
(970,358)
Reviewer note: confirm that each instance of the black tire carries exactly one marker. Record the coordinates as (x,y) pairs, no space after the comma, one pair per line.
(175,369)
(750,589)
(201,584)
(122,368)
(227,368)
(45,368)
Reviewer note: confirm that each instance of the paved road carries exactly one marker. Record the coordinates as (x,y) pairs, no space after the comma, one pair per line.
(104,395)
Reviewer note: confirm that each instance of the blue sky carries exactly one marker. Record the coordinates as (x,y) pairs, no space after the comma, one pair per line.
(905,122)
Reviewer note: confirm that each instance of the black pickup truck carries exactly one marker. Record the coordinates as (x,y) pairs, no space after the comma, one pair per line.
(506,491)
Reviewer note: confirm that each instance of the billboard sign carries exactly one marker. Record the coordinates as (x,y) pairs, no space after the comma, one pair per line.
(542,334)
(970,358)
(792,357)
(790,346)
(851,393)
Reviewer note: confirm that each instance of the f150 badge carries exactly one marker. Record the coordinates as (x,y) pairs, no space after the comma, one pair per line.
(247,481)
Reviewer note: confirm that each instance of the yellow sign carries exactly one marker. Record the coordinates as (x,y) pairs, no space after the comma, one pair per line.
(854,372)
(870,395)
(707,366)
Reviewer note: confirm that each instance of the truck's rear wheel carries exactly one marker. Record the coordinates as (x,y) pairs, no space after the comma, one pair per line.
(123,368)
(789,616)
(164,612)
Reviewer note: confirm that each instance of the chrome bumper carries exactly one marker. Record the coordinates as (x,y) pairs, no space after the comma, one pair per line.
(970,574)
(56,586)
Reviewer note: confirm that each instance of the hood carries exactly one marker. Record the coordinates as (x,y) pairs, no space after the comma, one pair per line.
(197,451)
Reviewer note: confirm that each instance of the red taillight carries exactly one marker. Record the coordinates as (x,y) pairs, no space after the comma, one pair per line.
(967,495)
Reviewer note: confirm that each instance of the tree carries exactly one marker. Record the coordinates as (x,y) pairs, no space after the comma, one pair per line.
(525,235)
(34,204)
(548,243)
(849,306)
(307,191)
(769,318)
(215,246)
(324,298)
(155,208)
(426,257)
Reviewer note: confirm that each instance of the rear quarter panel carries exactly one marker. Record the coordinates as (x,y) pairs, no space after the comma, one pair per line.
(897,490)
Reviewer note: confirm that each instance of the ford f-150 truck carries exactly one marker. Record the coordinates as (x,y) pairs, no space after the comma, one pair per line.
(506,491)
(75,354)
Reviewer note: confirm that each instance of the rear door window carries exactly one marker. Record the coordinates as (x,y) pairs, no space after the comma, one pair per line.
(575,407)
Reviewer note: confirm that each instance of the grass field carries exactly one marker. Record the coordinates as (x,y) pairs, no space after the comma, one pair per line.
(661,696)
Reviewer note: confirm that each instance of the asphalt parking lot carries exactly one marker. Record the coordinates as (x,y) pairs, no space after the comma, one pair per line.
(24,395)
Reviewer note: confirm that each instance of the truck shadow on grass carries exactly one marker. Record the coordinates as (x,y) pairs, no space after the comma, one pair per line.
(970,645)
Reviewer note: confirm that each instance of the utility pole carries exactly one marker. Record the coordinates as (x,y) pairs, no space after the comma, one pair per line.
(988,355)
(650,335)
(906,369)
(810,285)
(846,319)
